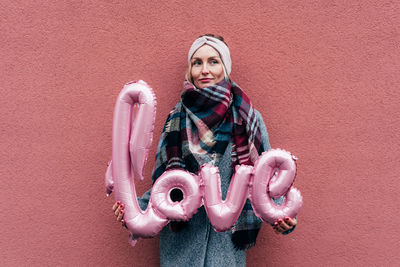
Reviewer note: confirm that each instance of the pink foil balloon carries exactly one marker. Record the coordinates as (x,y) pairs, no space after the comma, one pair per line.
(184,181)
(223,214)
(108,179)
(143,124)
(283,171)
(272,176)
(125,162)
(280,165)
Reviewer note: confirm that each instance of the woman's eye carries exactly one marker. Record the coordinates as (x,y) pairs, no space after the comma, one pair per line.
(196,63)
(214,61)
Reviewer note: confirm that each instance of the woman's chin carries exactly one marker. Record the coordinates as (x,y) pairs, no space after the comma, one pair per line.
(204,85)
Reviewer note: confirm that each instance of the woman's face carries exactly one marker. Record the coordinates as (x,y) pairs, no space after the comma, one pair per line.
(207,67)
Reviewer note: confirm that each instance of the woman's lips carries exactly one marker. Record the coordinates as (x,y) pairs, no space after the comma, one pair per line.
(205,80)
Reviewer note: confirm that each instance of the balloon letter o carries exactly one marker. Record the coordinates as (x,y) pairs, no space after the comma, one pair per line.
(184,181)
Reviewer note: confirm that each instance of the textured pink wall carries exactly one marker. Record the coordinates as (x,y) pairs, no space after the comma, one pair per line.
(325,77)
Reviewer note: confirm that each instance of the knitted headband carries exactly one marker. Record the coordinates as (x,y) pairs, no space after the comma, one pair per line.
(220,46)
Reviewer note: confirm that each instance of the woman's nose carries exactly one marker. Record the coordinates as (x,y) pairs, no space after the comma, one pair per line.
(204,69)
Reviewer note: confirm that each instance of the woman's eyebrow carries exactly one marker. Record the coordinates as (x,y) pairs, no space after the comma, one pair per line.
(212,57)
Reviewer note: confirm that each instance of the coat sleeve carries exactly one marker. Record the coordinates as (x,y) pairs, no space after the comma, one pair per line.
(144,199)
(263,130)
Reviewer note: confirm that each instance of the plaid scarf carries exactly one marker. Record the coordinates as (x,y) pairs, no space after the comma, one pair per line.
(199,129)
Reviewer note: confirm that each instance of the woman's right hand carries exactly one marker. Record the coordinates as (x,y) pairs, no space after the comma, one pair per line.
(118,209)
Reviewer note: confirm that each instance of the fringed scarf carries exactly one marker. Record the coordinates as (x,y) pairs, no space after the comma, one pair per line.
(199,129)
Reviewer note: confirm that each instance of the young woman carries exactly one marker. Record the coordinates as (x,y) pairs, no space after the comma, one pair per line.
(213,122)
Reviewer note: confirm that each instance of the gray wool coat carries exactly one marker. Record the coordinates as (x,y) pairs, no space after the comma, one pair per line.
(198,244)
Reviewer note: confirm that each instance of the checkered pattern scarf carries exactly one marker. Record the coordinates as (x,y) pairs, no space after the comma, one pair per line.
(199,129)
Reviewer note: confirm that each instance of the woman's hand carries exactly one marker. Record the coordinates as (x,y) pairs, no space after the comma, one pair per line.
(281,225)
(118,209)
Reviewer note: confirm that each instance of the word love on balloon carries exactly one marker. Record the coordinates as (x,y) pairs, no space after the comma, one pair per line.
(271,176)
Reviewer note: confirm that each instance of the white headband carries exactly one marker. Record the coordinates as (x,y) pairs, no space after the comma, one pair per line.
(220,46)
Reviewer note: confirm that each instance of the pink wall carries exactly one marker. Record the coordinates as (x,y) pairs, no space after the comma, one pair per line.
(325,77)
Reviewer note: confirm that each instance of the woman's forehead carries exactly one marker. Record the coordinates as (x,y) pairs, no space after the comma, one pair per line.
(206,51)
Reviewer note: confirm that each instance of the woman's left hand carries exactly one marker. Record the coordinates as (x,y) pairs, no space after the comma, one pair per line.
(282,225)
